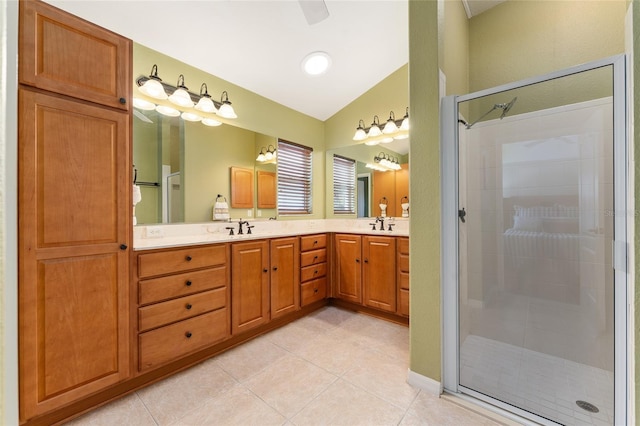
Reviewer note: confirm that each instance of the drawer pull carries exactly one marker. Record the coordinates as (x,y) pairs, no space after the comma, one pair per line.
(123,246)
(315,290)
(366,260)
(189,306)
(265,270)
(357,260)
(188,283)
(315,272)
(275,268)
(188,334)
(188,258)
(315,242)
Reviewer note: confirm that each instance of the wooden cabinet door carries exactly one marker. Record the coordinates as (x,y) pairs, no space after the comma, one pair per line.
(267,194)
(249,285)
(74,227)
(379,270)
(285,281)
(348,267)
(241,188)
(62,53)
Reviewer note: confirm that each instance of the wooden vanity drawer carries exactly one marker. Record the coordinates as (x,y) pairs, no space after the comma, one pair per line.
(312,242)
(175,340)
(403,245)
(313,257)
(312,272)
(163,313)
(403,280)
(403,262)
(169,262)
(158,289)
(312,291)
(403,302)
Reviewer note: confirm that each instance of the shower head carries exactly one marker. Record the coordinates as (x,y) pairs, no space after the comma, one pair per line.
(506,107)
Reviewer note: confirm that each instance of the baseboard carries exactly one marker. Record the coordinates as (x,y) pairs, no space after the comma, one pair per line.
(423,382)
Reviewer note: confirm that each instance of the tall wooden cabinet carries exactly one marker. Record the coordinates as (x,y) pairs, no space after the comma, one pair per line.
(285,276)
(74,208)
(249,285)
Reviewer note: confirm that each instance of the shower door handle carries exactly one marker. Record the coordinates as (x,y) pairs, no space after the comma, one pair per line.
(461,214)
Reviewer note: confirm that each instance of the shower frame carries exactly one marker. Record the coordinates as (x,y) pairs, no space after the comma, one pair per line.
(623,228)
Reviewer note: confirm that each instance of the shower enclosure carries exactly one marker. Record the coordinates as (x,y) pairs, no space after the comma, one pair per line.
(535,245)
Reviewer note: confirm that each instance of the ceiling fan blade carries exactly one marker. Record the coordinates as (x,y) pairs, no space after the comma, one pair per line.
(314,10)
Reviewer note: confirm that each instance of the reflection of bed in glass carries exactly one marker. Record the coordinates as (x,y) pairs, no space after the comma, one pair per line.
(542,252)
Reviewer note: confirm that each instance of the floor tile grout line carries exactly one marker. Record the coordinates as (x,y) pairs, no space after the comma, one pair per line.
(147,408)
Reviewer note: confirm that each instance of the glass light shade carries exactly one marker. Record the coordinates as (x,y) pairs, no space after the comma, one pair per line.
(386,140)
(261,157)
(189,116)
(372,142)
(210,122)
(316,63)
(401,136)
(360,134)
(374,131)
(143,104)
(154,89)
(167,110)
(181,97)
(205,104)
(268,156)
(405,123)
(226,111)
(390,127)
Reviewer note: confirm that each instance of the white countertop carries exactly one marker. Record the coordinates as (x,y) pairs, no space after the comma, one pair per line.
(147,237)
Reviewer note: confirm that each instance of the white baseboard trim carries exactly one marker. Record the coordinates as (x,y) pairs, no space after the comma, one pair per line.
(423,382)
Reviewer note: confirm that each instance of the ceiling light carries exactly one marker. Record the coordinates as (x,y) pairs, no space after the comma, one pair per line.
(226,110)
(210,122)
(316,63)
(152,87)
(391,126)
(205,104)
(167,110)
(181,95)
(189,116)
(143,105)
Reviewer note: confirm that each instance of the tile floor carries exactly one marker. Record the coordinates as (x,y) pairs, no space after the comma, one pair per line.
(333,367)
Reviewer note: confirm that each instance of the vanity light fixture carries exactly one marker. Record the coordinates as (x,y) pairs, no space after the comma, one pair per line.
(391,126)
(360,133)
(143,105)
(385,160)
(181,95)
(393,129)
(226,110)
(153,86)
(205,104)
(267,155)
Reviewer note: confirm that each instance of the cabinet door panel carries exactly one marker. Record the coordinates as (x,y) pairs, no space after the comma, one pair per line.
(285,283)
(249,285)
(64,54)
(74,229)
(348,267)
(380,272)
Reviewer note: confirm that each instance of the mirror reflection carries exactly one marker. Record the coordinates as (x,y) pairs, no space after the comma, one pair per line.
(182,167)
(377,192)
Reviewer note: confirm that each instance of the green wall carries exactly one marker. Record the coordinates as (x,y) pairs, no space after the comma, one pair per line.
(255,113)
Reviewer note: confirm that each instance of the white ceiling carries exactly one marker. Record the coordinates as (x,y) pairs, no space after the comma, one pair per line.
(259,44)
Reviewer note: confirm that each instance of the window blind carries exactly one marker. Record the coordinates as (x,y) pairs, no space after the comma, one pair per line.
(344,185)
(294,178)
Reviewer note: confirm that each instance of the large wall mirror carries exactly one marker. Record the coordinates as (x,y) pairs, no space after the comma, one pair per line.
(373,187)
(182,167)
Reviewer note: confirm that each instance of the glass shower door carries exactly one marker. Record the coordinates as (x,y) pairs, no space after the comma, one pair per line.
(536,227)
